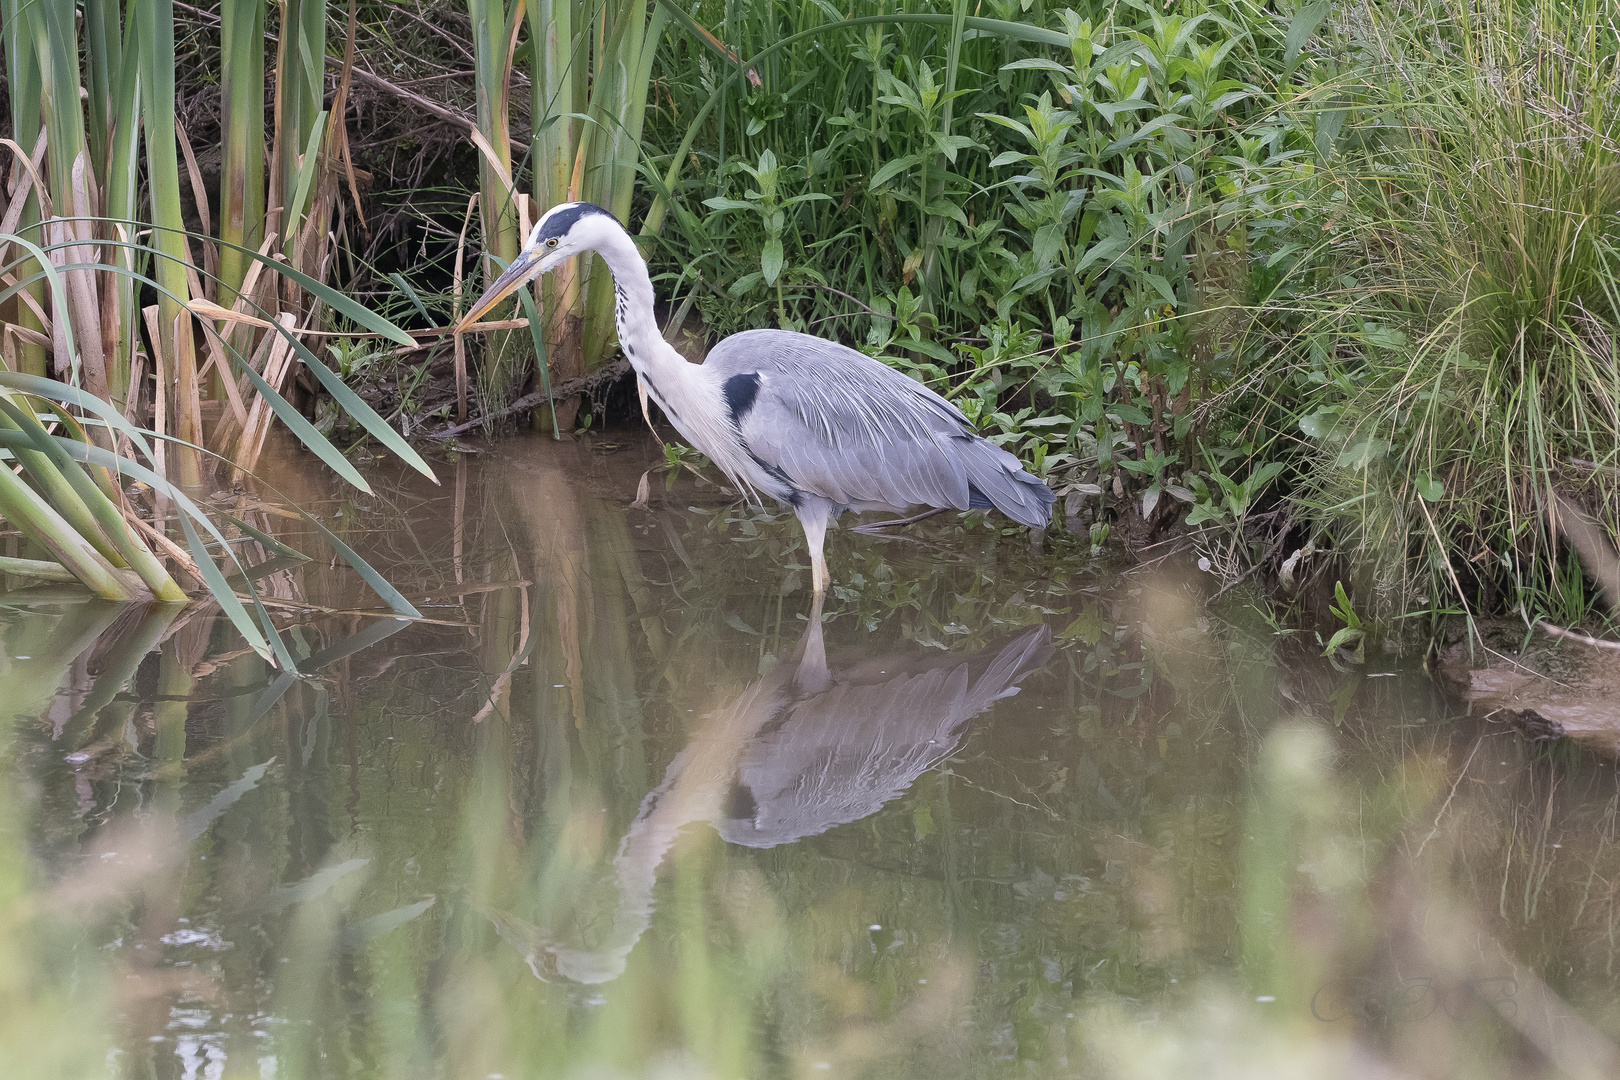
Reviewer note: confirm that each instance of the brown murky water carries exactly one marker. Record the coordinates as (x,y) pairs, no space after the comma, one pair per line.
(614,808)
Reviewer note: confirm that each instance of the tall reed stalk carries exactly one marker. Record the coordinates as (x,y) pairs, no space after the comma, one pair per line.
(80,245)
(495,30)
(242,164)
(25,86)
(590,68)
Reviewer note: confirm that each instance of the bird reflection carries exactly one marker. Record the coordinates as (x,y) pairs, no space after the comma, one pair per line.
(803,749)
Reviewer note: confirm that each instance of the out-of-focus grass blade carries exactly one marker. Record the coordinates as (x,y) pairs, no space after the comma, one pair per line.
(317,884)
(196,823)
(378,925)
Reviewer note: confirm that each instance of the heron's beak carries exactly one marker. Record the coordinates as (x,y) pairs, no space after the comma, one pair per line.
(529,265)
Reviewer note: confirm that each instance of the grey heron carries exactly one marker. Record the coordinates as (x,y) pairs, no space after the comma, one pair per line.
(816,425)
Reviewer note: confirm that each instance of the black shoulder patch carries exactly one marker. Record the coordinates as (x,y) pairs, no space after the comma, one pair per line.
(559,223)
(739,804)
(740,391)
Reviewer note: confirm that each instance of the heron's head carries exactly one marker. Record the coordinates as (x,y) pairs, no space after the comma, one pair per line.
(565,230)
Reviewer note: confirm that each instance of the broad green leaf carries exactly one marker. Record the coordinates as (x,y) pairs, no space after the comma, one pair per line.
(893,169)
(1363,452)
(770,260)
(1318,423)
(1382,337)
(1162,287)
(1131,414)
(1037,63)
(1343,637)
(1110,112)
(1011,124)
(1108,248)
(745,284)
(1301,27)
(1047,245)
(949,145)
(946,208)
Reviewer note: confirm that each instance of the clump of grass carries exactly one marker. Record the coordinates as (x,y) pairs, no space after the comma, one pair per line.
(1460,326)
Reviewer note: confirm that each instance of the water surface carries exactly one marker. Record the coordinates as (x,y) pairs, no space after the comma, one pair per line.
(615,807)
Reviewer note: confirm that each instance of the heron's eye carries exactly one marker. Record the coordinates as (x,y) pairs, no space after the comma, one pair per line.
(552,242)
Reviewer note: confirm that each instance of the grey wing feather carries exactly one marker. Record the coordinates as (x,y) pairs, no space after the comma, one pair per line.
(843,426)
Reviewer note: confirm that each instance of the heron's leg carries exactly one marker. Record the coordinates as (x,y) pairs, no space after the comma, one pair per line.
(814,513)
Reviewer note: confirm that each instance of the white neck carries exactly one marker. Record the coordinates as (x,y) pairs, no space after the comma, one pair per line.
(688,394)
(653,358)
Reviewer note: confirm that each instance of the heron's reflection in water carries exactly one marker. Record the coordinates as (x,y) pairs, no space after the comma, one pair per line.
(807,747)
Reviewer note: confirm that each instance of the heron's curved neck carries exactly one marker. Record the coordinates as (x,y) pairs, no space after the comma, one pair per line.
(652,357)
(689,396)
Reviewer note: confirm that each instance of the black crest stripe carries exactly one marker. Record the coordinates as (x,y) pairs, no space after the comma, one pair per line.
(560,222)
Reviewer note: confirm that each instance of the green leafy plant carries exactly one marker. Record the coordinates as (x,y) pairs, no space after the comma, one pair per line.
(771,210)
(1351,633)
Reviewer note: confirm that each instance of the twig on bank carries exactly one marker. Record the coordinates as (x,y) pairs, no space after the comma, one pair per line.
(1574,635)
(528,401)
